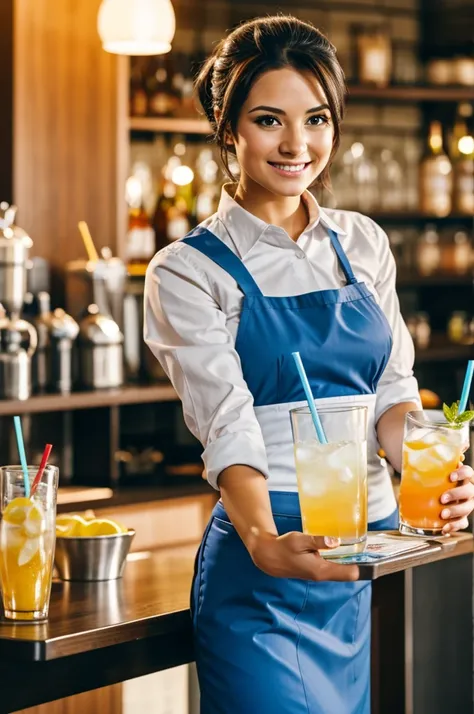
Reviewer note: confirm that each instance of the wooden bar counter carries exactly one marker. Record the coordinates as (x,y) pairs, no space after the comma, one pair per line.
(99,634)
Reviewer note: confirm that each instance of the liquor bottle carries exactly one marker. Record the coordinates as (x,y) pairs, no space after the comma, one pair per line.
(140,242)
(428,251)
(462,157)
(435,175)
(162,97)
(172,218)
(138,94)
(207,194)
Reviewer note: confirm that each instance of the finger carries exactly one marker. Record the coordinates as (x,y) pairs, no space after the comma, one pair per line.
(327,570)
(458,525)
(459,510)
(464,492)
(310,544)
(462,473)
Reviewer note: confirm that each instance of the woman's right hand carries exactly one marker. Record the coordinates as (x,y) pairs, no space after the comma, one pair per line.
(296,555)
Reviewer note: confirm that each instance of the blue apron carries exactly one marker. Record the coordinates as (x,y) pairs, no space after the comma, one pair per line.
(268,645)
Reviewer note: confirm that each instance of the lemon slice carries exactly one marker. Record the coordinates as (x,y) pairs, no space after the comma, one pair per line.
(15,512)
(70,526)
(103,527)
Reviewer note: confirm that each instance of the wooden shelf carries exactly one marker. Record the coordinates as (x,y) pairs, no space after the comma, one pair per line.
(440,350)
(415,217)
(89,400)
(410,93)
(408,280)
(170,125)
(197,125)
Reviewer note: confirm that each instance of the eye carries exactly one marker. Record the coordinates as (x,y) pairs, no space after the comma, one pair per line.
(318,120)
(267,120)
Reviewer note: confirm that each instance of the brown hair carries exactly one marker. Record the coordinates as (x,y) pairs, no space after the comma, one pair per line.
(254,48)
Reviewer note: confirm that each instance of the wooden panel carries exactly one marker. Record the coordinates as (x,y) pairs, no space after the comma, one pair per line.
(68,114)
(164,523)
(6,94)
(107,700)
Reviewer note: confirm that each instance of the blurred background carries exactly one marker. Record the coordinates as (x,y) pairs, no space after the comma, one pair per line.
(107,159)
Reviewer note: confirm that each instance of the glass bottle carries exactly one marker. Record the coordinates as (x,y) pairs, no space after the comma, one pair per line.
(462,254)
(162,97)
(435,175)
(365,175)
(207,194)
(374,56)
(428,251)
(138,93)
(462,157)
(140,240)
(392,184)
(173,213)
(457,324)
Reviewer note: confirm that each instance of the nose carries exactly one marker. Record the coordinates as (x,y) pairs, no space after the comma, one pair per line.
(294,142)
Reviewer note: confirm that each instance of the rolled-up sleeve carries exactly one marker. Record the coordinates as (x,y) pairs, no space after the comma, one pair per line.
(398,383)
(186,331)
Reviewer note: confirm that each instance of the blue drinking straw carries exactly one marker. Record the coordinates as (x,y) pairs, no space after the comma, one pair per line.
(466,387)
(309,396)
(21,451)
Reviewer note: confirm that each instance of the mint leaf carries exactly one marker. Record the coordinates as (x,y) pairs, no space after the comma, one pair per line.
(454,419)
(447,413)
(465,416)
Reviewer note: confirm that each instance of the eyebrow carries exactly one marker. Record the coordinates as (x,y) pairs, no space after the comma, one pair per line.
(275,110)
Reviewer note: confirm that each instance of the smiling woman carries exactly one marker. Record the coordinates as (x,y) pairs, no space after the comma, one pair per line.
(225,309)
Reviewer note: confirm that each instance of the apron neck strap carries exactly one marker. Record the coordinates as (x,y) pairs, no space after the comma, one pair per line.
(211,246)
(342,257)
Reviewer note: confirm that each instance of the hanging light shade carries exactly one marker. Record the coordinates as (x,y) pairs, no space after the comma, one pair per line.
(136,27)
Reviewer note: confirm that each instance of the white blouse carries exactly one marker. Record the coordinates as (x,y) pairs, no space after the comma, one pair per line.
(192,309)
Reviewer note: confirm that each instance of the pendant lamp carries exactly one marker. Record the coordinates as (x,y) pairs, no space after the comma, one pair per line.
(136,27)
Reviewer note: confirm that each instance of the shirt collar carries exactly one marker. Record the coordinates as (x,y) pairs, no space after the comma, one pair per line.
(245,229)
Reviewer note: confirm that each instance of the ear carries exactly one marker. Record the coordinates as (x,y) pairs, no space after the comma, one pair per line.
(228,137)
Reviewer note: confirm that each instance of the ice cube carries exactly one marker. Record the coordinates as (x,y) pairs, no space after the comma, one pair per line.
(11,535)
(35,521)
(428,436)
(345,474)
(306,453)
(28,551)
(444,452)
(313,487)
(422,459)
(341,455)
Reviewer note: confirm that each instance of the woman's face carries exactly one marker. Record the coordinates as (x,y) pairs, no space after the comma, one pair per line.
(284,133)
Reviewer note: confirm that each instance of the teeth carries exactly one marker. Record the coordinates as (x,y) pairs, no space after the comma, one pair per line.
(290,169)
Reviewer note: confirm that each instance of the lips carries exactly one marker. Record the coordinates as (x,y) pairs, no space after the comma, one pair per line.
(291,170)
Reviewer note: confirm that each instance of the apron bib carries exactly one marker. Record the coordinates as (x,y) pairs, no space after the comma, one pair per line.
(269,645)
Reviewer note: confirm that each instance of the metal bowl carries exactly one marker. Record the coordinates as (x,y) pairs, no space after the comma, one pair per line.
(92,558)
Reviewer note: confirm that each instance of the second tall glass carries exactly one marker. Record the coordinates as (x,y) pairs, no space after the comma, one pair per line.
(332,477)
(27,540)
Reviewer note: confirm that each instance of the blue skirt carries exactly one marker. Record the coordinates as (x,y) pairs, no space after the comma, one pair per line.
(268,645)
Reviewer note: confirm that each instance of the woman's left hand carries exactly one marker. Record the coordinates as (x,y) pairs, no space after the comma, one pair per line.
(458,502)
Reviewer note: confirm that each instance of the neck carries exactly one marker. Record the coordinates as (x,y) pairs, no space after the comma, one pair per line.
(287,212)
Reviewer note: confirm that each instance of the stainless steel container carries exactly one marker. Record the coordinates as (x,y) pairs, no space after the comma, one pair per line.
(14,247)
(18,340)
(101,283)
(53,360)
(101,350)
(94,558)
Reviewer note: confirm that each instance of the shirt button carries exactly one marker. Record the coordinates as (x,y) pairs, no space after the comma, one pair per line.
(301,255)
